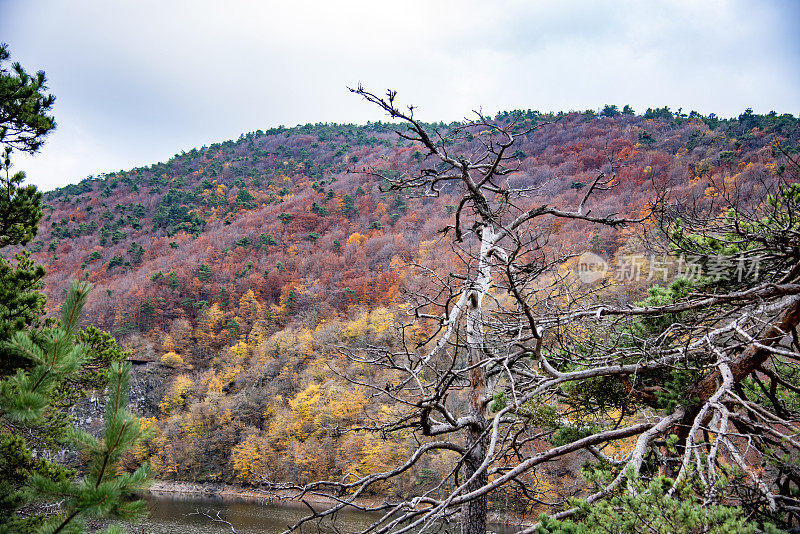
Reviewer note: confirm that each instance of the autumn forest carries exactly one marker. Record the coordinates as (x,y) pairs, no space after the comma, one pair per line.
(249,281)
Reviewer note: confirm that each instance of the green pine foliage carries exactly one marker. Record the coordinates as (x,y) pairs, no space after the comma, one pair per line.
(102,492)
(45,368)
(102,351)
(753,245)
(54,356)
(18,466)
(20,206)
(650,510)
(24,106)
(27,401)
(23,125)
(661,296)
(21,303)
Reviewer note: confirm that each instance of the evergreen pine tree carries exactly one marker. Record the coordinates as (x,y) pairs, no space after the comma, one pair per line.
(43,370)
(24,123)
(26,401)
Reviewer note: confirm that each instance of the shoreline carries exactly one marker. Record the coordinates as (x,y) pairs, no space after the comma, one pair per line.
(241,493)
(208,489)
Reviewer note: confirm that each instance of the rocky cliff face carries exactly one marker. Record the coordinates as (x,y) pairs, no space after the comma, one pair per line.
(146,388)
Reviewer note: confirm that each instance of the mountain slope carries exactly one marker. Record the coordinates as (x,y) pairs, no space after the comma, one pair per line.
(238,268)
(287,208)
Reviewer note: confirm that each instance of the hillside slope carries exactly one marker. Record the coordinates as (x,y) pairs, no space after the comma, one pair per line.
(236,268)
(287,210)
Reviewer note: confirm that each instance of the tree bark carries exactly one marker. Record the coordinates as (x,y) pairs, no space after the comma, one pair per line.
(750,360)
(754,356)
(473,513)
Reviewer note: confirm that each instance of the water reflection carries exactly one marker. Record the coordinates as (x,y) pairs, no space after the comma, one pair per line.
(179,515)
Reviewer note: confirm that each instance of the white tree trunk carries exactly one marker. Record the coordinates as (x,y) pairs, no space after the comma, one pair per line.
(473,513)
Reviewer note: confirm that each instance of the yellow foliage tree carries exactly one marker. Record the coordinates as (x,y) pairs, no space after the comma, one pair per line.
(248,458)
(240,351)
(210,326)
(180,331)
(356,239)
(368,323)
(249,311)
(172,359)
(176,395)
(168,343)
(305,407)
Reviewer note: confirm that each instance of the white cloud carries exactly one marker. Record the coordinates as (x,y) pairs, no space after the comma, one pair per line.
(138,81)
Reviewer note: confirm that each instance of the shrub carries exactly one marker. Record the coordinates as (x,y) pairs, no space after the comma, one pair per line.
(172,360)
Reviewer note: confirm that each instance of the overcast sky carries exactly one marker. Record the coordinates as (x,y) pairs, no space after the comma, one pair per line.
(137,82)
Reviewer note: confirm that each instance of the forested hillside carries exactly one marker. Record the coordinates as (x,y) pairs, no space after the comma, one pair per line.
(239,269)
(287,214)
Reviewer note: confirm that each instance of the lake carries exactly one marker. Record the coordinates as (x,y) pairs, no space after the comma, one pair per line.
(178,515)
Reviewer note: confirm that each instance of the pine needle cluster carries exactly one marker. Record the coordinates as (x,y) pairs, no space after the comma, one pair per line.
(103,489)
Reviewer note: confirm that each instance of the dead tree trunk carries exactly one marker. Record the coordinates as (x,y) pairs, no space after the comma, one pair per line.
(473,513)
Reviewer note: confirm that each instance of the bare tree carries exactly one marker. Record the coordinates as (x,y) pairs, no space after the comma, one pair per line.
(526,366)
(216,518)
